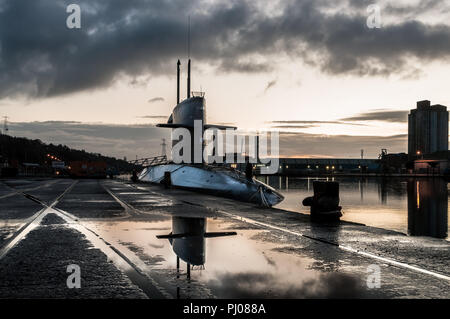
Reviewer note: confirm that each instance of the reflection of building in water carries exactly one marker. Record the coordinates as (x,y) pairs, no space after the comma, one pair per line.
(361,188)
(428,208)
(382,191)
(188,241)
(390,188)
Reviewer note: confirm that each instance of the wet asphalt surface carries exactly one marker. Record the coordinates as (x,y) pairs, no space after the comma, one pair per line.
(108,228)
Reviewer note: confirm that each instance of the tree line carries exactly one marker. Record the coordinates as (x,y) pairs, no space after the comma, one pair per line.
(24,150)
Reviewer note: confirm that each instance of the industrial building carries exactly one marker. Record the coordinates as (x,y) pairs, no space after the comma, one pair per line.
(320,166)
(428,152)
(427,129)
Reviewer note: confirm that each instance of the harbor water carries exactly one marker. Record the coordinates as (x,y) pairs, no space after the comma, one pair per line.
(418,207)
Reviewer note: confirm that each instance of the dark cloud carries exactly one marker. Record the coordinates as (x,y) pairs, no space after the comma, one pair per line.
(418,8)
(228,65)
(154,117)
(225,123)
(139,82)
(264,285)
(156,99)
(294,126)
(287,124)
(381,115)
(269,85)
(107,139)
(304,122)
(40,57)
(360,4)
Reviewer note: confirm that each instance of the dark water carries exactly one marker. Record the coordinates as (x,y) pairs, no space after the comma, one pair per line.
(418,207)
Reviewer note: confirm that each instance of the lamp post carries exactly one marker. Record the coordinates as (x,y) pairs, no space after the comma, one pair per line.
(419,153)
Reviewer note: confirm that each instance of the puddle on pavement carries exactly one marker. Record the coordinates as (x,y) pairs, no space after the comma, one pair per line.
(222,265)
(9,228)
(155,201)
(129,193)
(77,200)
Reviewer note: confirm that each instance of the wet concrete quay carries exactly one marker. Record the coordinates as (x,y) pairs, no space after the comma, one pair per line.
(109,229)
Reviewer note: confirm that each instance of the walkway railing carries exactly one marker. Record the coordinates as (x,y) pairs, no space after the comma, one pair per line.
(150,161)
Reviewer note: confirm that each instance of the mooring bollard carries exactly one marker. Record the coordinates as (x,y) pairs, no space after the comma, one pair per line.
(134,177)
(167,180)
(325,202)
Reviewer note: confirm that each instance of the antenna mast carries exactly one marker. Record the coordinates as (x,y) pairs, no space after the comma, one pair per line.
(5,125)
(163,147)
(189,37)
(189,59)
(178,82)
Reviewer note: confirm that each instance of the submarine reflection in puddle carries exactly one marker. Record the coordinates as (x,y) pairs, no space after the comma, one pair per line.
(188,240)
(428,208)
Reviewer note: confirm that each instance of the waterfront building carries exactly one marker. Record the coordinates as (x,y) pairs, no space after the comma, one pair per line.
(427,129)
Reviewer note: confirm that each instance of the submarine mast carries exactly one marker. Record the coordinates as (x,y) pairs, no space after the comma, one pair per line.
(178,82)
(189,59)
(189,80)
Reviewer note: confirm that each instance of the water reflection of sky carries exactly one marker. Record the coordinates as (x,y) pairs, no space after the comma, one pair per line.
(377,202)
(246,265)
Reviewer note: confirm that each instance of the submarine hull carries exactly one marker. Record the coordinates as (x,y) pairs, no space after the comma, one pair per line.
(217,181)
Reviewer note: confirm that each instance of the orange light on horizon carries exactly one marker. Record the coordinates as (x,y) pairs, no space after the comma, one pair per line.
(418,194)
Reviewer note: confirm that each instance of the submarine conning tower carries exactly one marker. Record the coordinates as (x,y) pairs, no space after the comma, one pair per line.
(192,108)
(188,111)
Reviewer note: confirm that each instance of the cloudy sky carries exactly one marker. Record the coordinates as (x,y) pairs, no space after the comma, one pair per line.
(311,69)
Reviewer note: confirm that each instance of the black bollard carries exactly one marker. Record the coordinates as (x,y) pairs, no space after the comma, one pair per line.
(249,171)
(134,177)
(167,180)
(325,202)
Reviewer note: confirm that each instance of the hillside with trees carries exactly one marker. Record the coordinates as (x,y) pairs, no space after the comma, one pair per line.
(19,150)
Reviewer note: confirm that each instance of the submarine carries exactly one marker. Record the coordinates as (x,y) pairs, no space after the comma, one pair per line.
(202,177)
(188,238)
(188,241)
